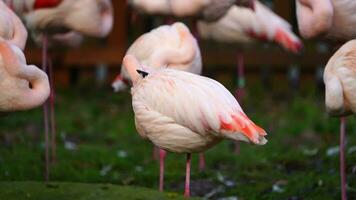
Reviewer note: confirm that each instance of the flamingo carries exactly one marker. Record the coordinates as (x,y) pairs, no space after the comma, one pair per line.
(22,86)
(183,112)
(242,25)
(62,22)
(245,26)
(65,21)
(170,46)
(340,94)
(209,10)
(330,18)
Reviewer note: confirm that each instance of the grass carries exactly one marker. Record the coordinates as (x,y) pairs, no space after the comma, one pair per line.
(79,191)
(98,145)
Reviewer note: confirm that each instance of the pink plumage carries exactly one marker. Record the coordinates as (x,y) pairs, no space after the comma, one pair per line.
(183,112)
(171,46)
(11,27)
(66,20)
(331,18)
(340,81)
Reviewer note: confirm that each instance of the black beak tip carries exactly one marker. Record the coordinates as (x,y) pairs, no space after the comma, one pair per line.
(142,73)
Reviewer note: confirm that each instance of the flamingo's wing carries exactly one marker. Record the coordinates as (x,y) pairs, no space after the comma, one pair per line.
(198,103)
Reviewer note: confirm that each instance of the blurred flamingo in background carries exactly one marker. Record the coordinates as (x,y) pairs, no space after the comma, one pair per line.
(171,46)
(340,94)
(209,10)
(186,113)
(242,25)
(168,46)
(330,18)
(333,19)
(61,22)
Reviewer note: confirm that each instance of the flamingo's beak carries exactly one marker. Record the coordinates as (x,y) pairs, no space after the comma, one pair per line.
(246,3)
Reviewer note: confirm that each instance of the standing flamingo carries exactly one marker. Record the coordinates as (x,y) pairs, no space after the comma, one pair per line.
(242,25)
(62,22)
(340,94)
(168,46)
(186,113)
(330,18)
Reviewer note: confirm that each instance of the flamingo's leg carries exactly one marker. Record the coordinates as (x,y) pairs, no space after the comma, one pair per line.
(187,176)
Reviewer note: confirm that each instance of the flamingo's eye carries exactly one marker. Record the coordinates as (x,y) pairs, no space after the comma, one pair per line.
(142,73)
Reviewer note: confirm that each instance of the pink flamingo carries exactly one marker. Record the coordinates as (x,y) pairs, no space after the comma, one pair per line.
(242,25)
(340,94)
(186,113)
(168,46)
(331,18)
(245,26)
(62,22)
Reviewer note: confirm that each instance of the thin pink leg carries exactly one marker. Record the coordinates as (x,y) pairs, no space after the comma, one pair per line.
(201,162)
(52,112)
(240,92)
(187,176)
(342,158)
(162,155)
(45,109)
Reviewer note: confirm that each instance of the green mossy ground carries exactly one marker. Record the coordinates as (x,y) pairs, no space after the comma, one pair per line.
(79,191)
(107,150)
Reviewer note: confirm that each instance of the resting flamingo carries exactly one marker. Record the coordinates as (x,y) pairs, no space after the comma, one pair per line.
(169,46)
(186,113)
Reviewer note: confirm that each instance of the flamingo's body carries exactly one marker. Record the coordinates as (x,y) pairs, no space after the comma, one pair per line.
(11,27)
(209,10)
(65,21)
(340,81)
(244,25)
(186,113)
(171,46)
(330,18)
(16,93)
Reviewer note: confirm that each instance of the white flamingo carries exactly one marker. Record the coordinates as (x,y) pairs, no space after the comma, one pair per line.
(169,46)
(186,113)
